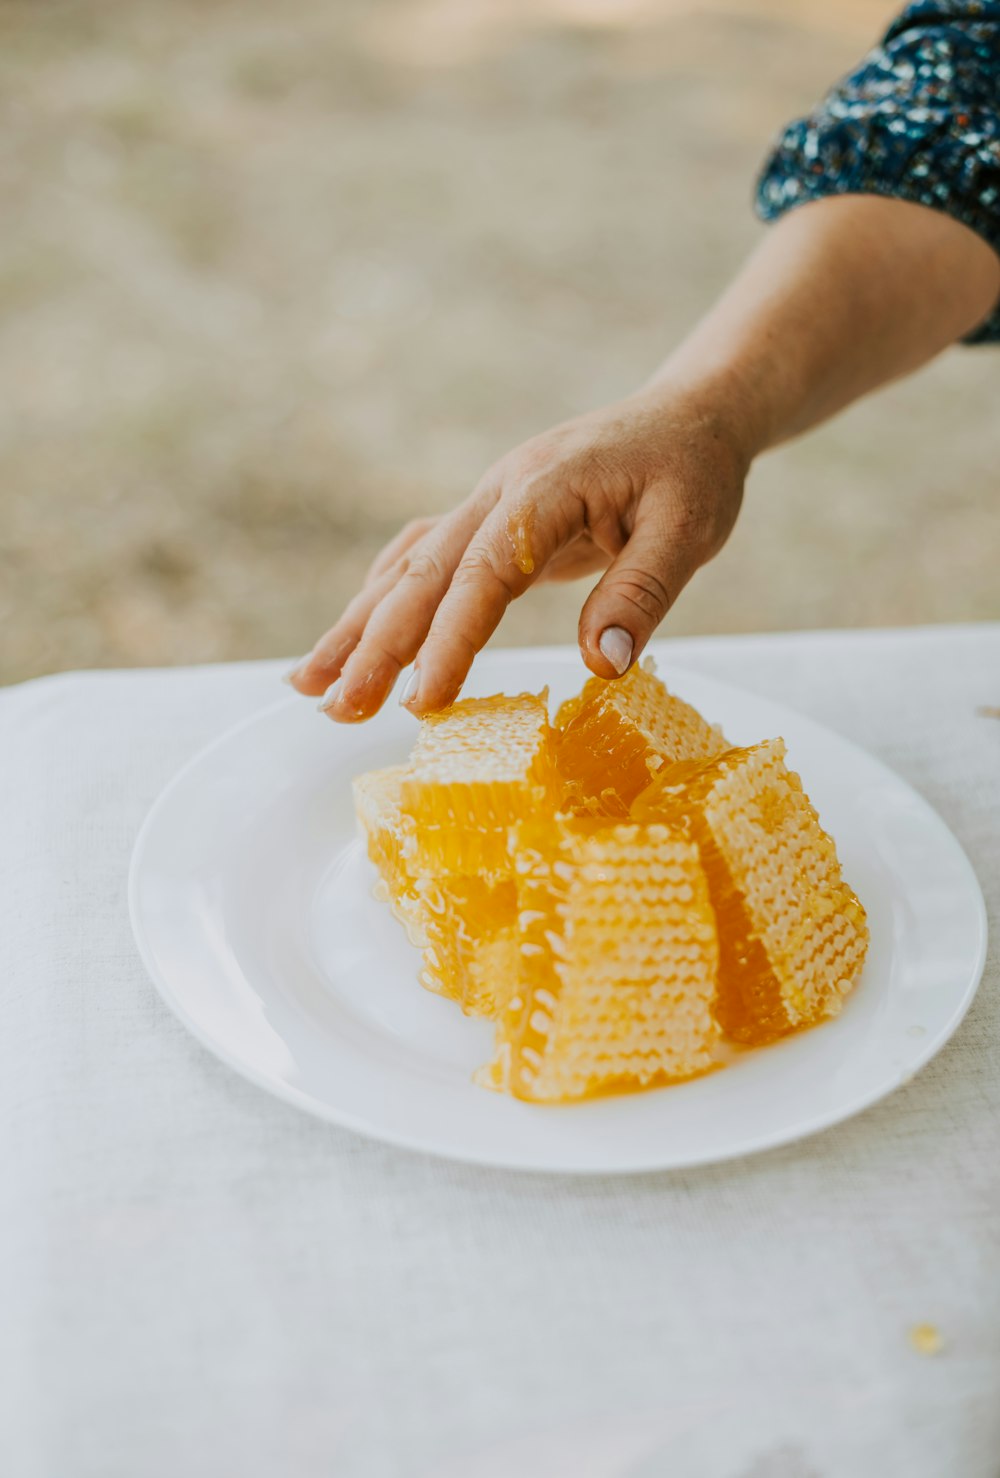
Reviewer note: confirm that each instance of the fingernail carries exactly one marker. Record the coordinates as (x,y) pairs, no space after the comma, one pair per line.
(616,645)
(286,677)
(410,690)
(330,697)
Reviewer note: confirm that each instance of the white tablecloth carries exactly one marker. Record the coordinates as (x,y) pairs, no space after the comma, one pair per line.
(197,1280)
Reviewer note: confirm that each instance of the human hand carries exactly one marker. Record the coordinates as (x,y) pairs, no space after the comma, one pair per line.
(646,490)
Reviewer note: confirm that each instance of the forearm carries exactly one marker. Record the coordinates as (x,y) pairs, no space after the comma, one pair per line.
(843,295)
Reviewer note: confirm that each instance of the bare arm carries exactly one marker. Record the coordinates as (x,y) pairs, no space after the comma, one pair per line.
(843,295)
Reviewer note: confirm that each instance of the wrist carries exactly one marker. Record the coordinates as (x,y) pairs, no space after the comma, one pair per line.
(722,399)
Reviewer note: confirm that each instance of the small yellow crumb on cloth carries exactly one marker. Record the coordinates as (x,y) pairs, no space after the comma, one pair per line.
(926,1339)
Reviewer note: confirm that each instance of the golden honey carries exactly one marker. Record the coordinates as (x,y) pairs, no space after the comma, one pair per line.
(519,528)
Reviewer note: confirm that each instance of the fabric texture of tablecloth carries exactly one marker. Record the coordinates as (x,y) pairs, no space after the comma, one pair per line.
(197,1280)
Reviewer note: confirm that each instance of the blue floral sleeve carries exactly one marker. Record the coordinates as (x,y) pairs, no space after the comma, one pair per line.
(918,119)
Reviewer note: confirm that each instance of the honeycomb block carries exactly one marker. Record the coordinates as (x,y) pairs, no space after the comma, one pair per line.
(616,963)
(792,935)
(477,768)
(463,925)
(378,797)
(469,940)
(614,736)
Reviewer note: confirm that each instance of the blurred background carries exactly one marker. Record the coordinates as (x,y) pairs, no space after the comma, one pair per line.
(274,279)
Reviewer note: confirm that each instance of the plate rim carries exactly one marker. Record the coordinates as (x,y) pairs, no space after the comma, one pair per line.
(307,1103)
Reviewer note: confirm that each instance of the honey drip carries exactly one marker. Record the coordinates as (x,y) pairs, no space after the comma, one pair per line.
(519,527)
(614,892)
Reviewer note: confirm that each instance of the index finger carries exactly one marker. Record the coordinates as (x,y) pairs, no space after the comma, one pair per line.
(396,623)
(509,553)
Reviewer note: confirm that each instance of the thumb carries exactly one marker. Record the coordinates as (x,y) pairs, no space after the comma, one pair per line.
(636,592)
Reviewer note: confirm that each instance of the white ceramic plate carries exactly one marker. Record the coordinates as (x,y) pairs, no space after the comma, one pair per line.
(251,903)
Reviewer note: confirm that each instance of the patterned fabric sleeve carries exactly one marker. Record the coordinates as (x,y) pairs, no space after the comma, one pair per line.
(919,119)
